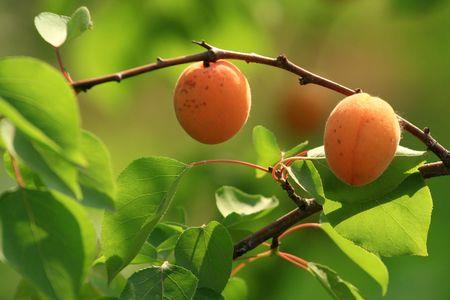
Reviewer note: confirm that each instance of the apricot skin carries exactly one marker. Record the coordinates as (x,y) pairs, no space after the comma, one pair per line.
(212,103)
(361,136)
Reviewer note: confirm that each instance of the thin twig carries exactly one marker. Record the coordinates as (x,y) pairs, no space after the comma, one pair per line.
(297,228)
(61,66)
(229,161)
(17,173)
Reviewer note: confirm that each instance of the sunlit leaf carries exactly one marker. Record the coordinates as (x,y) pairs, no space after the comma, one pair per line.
(392,225)
(305,175)
(52,28)
(236,289)
(337,287)
(79,22)
(36,98)
(49,241)
(266,148)
(367,261)
(144,191)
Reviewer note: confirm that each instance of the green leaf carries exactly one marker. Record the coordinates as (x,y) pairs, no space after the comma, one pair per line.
(207,294)
(144,191)
(52,28)
(49,240)
(307,177)
(319,152)
(399,169)
(242,206)
(164,237)
(164,282)
(37,99)
(26,291)
(55,172)
(147,254)
(208,252)
(96,179)
(79,22)
(296,150)
(236,289)
(367,261)
(335,285)
(30,178)
(266,148)
(392,225)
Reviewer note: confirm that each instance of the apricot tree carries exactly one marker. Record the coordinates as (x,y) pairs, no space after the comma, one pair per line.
(62,171)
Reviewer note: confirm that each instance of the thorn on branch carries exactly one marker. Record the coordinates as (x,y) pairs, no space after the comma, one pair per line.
(159,60)
(206,63)
(282,59)
(357,91)
(203,44)
(275,243)
(118,77)
(304,80)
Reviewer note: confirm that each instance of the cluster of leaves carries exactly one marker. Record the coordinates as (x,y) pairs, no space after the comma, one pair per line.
(65,178)
(388,217)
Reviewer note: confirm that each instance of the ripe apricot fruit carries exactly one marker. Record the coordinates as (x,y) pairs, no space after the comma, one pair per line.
(361,136)
(212,103)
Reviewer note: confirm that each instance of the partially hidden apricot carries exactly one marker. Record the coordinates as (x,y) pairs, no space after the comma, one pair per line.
(212,103)
(361,136)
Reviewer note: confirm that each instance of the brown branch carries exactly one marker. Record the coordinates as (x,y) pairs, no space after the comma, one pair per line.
(307,207)
(61,66)
(16,169)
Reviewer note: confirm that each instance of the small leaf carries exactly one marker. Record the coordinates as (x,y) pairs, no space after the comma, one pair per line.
(207,294)
(266,147)
(96,179)
(319,152)
(52,28)
(147,254)
(36,98)
(208,252)
(79,22)
(236,289)
(164,282)
(144,191)
(307,177)
(296,150)
(164,237)
(337,287)
(26,291)
(367,261)
(49,240)
(231,200)
(392,225)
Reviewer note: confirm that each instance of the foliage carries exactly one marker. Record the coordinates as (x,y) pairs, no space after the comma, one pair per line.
(63,172)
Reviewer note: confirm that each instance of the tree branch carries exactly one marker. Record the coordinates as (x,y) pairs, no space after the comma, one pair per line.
(307,207)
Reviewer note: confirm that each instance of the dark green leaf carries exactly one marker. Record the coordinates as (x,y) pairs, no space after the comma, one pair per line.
(236,289)
(207,294)
(164,282)
(337,287)
(79,22)
(49,241)
(307,177)
(29,177)
(144,191)
(208,252)
(37,99)
(147,254)
(26,291)
(52,28)
(367,261)
(266,148)
(394,224)
(96,179)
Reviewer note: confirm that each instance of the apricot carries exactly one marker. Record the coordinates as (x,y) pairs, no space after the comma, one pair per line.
(212,103)
(361,136)
(304,109)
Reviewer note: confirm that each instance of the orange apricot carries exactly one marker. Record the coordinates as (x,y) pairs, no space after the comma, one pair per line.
(304,109)
(361,136)
(212,103)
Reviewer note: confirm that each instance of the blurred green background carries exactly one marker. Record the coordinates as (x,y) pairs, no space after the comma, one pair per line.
(396,49)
